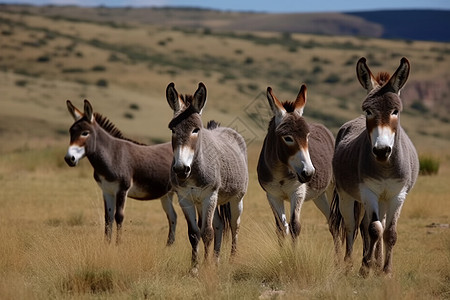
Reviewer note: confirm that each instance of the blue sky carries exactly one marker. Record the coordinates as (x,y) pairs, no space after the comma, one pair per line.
(261,5)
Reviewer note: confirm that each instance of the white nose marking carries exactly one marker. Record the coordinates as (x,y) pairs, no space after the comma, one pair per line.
(184,155)
(301,162)
(382,137)
(76,153)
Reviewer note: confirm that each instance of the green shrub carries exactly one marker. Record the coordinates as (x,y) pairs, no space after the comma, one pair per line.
(102,83)
(98,68)
(428,165)
(21,82)
(332,78)
(43,58)
(134,106)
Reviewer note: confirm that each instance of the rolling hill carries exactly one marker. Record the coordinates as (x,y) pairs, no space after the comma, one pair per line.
(122,59)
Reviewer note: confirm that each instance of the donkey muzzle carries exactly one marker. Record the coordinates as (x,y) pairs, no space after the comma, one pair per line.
(181,171)
(70,160)
(305,176)
(382,153)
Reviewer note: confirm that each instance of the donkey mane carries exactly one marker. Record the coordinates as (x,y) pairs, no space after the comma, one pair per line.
(212,125)
(289,106)
(110,128)
(382,78)
(190,109)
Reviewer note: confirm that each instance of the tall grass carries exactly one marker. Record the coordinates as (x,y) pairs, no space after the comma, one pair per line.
(53,246)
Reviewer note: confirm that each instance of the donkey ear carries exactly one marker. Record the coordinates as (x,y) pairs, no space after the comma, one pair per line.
(88,111)
(199,99)
(173,98)
(275,105)
(301,100)
(400,76)
(76,114)
(365,76)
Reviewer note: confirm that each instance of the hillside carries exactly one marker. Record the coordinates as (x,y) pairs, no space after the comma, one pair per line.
(428,25)
(123,59)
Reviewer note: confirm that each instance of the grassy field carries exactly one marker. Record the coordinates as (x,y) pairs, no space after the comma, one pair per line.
(52,215)
(52,245)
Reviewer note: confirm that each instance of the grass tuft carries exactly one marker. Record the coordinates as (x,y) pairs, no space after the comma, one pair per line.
(429,165)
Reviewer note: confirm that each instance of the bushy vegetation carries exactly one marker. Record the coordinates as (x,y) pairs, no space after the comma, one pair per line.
(429,165)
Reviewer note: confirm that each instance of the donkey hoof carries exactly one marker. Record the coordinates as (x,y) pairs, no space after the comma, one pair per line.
(364,271)
(194,272)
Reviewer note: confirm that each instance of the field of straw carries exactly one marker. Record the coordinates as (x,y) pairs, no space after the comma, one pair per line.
(51,217)
(53,247)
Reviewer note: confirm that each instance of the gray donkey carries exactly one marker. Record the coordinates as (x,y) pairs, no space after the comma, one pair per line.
(295,162)
(209,169)
(375,165)
(122,167)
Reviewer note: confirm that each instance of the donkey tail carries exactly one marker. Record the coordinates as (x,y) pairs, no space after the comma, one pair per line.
(225,215)
(337,227)
(212,125)
(336,221)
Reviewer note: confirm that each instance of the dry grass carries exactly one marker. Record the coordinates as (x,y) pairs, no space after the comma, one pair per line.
(52,245)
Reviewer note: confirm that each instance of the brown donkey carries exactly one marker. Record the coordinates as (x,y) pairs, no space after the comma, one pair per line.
(295,162)
(375,166)
(121,167)
(209,169)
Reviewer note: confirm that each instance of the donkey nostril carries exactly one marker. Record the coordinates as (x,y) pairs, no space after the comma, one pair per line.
(187,169)
(72,158)
(382,152)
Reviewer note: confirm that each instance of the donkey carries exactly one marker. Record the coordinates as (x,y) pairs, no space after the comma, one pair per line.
(209,169)
(375,166)
(295,162)
(121,167)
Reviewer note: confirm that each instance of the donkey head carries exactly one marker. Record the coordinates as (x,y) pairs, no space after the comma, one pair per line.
(186,127)
(80,132)
(292,134)
(382,105)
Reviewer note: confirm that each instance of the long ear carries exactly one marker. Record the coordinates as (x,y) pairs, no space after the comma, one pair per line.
(199,99)
(276,106)
(400,77)
(173,98)
(301,100)
(88,111)
(365,76)
(76,114)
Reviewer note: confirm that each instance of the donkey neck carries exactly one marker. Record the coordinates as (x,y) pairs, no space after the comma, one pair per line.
(101,150)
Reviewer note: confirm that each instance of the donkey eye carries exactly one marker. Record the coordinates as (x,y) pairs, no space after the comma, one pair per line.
(288,139)
(85,133)
(196,130)
(368,112)
(395,112)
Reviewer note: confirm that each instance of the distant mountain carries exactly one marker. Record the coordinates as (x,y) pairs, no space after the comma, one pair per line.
(430,25)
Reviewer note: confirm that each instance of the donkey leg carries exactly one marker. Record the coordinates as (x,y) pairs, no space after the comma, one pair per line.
(209,208)
(110,206)
(167,205)
(277,206)
(347,209)
(190,214)
(322,204)
(236,212)
(390,233)
(218,223)
(374,228)
(121,197)
(297,198)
